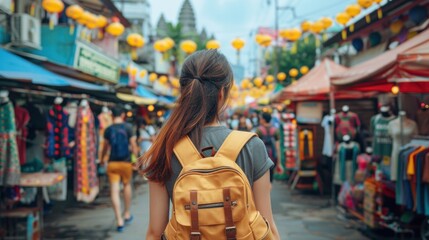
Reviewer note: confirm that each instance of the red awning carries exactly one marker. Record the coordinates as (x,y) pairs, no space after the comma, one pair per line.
(383,66)
(315,84)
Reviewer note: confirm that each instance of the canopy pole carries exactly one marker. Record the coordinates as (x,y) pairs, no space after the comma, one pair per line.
(331,108)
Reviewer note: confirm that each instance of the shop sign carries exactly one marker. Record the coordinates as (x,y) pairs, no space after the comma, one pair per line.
(309,112)
(92,62)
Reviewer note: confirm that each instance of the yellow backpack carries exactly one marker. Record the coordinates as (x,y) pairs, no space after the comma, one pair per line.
(212,197)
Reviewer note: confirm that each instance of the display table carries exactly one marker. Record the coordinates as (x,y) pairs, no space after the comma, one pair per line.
(40,180)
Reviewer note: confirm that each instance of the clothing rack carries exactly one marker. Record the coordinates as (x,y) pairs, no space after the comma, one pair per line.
(63,95)
(420,141)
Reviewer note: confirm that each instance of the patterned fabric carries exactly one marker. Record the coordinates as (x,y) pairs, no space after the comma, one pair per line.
(10,171)
(57,133)
(86,182)
(382,144)
(346,124)
(22,118)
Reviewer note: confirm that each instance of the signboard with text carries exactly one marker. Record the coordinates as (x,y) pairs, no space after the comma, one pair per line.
(95,63)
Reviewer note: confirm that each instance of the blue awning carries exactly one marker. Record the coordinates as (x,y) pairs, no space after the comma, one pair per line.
(15,67)
(144,92)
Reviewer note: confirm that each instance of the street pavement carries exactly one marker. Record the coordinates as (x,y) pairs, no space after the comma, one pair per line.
(298,215)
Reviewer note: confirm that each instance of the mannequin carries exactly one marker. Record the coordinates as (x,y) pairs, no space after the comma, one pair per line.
(58,100)
(4,96)
(10,171)
(86,188)
(346,123)
(327,122)
(382,142)
(409,129)
(346,164)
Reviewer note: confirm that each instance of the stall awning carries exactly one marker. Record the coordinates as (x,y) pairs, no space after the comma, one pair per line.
(15,67)
(380,67)
(146,93)
(136,99)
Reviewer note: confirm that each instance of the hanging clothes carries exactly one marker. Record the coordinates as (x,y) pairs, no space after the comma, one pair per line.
(71,110)
(105,119)
(409,129)
(22,118)
(37,122)
(86,182)
(382,141)
(346,123)
(346,164)
(306,144)
(289,143)
(10,171)
(327,124)
(57,139)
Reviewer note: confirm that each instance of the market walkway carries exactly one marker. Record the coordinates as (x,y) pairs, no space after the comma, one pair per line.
(299,217)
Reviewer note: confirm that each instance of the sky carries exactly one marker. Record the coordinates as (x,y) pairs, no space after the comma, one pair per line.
(228,19)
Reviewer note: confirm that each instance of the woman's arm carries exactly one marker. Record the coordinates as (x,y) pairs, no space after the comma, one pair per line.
(158,210)
(261,194)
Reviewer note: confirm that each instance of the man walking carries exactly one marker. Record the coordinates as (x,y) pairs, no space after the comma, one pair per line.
(119,138)
(270,135)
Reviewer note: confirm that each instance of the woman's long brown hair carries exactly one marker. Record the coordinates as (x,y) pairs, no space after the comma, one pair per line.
(204,74)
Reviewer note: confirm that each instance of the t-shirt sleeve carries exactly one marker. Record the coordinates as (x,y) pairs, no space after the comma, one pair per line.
(130,131)
(261,162)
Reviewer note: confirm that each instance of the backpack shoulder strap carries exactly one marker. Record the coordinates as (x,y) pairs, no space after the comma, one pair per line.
(185,151)
(233,144)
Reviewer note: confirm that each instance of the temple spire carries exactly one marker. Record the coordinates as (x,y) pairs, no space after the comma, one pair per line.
(187,18)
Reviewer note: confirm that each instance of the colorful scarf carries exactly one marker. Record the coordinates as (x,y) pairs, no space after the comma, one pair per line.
(10,171)
(86,181)
(57,133)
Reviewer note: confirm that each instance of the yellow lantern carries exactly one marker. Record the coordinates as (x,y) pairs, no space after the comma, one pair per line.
(293,72)
(53,6)
(326,22)
(365,3)
(74,12)
(294,34)
(163,79)
(83,18)
(258,81)
(342,18)
(115,29)
(150,108)
(101,21)
(304,70)
(175,82)
(143,73)
(316,27)
(238,44)
(135,40)
(305,26)
(281,76)
(160,46)
(271,87)
(353,10)
(153,77)
(259,38)
(266,41)
(379,10)
(91,21)
(212,44)
(133,71)
(395,89)
(269,78)
(264,88)
(188,46)
(245,83)
(169,43)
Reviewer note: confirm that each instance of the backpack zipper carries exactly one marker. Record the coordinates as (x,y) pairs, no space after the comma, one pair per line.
(211,205)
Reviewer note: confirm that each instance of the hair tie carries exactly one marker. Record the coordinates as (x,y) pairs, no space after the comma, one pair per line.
(198,78)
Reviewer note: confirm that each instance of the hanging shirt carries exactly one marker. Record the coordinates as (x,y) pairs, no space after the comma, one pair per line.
(328,147)
(22,117)
(409,130)
(58,133)
(382,141)
(346,124)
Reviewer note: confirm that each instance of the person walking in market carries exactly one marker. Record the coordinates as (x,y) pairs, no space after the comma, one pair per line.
(215,194)
(119,139)
(270,135)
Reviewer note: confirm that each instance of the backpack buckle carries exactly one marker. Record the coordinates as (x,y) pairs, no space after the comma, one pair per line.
(195,235)
(230,232)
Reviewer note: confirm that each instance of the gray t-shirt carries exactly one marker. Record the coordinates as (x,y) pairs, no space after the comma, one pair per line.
(253,158)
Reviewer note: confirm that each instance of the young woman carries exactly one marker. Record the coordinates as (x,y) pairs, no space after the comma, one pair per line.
(205,82)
